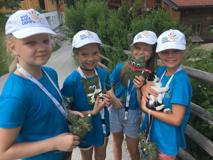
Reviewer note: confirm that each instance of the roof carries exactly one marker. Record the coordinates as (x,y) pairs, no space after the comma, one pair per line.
(177,4)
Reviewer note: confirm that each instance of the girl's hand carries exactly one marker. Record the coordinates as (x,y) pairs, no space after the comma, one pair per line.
(107,100)
(138,82)
(77,113)
(99,105)
(147,90)
(143,105)
(65,142)
(116,102)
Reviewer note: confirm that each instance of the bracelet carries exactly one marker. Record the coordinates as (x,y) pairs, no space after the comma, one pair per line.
(89,114)
(149,111)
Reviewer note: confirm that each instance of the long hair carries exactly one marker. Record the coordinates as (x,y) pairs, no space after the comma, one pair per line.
(9,40)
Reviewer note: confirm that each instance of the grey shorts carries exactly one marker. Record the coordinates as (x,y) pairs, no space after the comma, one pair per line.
(130,127)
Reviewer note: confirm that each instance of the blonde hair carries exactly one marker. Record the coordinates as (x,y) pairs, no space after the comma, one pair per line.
(9,40)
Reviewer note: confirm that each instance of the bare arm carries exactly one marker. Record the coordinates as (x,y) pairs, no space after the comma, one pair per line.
(114,100)
(10,150)
(138,82)
(174,118)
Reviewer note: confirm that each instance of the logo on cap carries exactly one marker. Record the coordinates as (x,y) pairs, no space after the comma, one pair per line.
(32,17)
(143,34)
(86,35)
(171,37)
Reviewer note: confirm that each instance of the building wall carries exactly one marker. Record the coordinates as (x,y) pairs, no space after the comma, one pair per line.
(176,15)
(26,4)
(50,5)
(150,3)
(200,20)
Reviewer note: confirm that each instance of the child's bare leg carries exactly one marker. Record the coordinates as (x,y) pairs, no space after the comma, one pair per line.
(132,145)
(117,140)
(100,152)
(86,154)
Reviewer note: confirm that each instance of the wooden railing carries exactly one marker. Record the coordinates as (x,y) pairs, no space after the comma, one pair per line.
(201,140)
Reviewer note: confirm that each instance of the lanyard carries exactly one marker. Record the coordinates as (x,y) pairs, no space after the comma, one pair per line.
(170,79)
(128,99)
(99,81)
(35,81)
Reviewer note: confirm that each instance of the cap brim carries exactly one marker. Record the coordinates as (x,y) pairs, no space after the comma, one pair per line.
(85,43)
(170,46)
(27,32)
(144,41)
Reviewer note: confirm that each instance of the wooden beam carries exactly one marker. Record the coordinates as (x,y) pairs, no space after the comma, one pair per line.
(200,75)
(200,139)
(185,155)
(202,113)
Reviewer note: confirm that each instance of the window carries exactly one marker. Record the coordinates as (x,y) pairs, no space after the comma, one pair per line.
(196,29)
(42,4)
(211,29)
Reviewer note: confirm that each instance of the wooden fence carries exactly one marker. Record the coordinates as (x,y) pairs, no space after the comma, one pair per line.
(201,140)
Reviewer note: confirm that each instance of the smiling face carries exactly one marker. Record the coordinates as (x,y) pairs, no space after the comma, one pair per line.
(142,49)
(88,56)
(171,58)
(32,51)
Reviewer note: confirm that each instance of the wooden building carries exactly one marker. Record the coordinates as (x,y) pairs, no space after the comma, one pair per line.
(52,10)
(196,14)
(146,4)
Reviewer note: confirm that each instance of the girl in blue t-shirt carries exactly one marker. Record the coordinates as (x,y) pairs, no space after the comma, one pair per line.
(125,113)
(167,131)
(32,119)
(85,87)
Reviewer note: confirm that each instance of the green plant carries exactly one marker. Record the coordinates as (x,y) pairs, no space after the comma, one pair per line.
(4,56)
(202,95)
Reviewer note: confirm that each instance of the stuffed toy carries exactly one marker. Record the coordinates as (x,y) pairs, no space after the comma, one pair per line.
(135,67)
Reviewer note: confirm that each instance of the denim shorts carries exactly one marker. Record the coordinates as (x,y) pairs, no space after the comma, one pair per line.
(130,127)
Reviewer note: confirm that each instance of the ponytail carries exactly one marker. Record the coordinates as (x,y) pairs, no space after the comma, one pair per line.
(12,66)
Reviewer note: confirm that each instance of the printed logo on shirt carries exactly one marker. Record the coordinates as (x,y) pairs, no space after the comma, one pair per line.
(167,94)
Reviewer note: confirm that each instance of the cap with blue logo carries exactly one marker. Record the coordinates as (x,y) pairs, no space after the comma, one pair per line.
(145,36)
(171,39)
(25,23)
(85,37)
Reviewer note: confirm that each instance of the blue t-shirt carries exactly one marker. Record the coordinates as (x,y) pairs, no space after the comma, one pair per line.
(121,90)
(73,88)
(169,138)
(23,104)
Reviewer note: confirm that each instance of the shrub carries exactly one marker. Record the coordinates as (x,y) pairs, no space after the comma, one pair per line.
(4,56)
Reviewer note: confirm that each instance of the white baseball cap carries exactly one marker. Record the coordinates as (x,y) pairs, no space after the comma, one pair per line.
(171,39)
(85,37)
(25,23)
(145,36)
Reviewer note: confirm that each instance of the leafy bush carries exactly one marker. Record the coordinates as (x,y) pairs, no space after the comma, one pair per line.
(157,20)
(202,95)
(4,56)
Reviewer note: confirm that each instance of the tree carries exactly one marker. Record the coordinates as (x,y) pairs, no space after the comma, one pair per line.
(12,4)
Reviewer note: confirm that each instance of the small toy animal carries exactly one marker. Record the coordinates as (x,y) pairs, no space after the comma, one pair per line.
(156,103)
